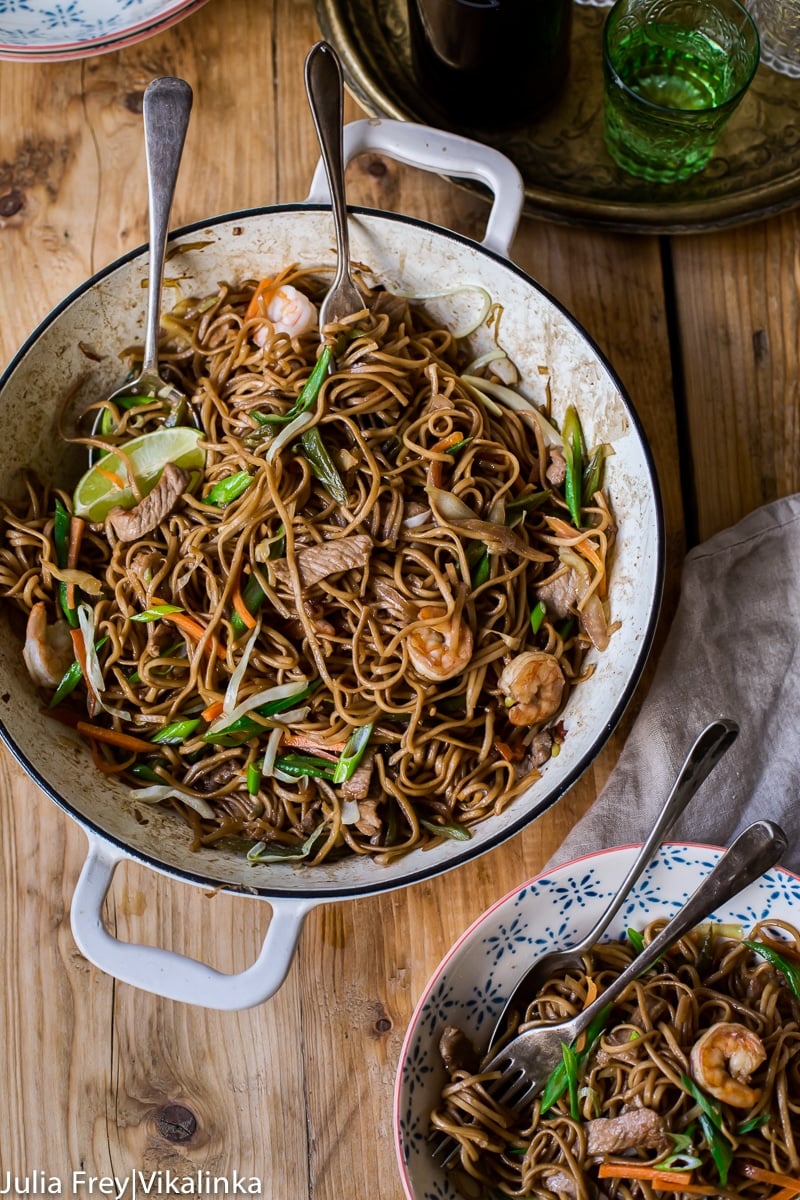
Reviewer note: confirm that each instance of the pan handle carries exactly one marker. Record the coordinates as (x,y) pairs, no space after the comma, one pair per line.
(176,976)
(446,154)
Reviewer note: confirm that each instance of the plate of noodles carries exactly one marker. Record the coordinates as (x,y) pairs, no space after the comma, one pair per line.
(334,613)
(690,1086)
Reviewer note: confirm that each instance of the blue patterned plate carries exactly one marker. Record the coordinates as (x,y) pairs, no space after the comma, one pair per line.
(28,25)
(470,985)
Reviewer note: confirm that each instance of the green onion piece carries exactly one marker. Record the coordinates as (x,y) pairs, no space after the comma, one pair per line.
(571,1066)
(245,727)
(253,596)
(711,1125)
(353,753)
(156,612)
(229,489)
(457,832)
(176,733)
(754,1123)
(789,970)
(305,764)
(573,456)
(458,446)
(308,393)
(538,615)
(71,678)
(61,524)
(636,940)
(142,771)
(529,502)
(681,1156)
(481,571)
(558,1080)
(253,778)
(322,465)
(564,630)
(593,474)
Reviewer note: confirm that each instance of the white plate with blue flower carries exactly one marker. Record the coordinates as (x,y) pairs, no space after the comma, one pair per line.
(471,984)
(73,28)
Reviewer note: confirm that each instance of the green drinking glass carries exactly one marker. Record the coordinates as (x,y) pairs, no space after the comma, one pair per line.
(674,72)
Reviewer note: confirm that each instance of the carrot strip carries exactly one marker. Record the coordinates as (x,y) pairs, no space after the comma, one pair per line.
(114,737)
(662,1181)
(762,1175)
(195,630)
(435,472)
(241,608)
(787,1193)
(213,711)
(80,657)
(111,476)
(76,528)
(254,307)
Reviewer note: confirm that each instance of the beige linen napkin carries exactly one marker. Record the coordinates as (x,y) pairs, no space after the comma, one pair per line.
(733,651)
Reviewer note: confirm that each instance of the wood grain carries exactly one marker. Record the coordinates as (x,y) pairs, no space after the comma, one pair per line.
(299,1091)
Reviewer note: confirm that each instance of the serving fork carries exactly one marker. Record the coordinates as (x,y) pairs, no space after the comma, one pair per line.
(708,748)
(525,1063)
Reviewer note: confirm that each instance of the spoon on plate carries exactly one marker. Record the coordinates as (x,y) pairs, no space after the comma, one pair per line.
(704,755)
(325,91)
(166,108)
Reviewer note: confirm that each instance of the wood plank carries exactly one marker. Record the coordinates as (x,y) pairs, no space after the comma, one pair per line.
(739,312)
(298,1091)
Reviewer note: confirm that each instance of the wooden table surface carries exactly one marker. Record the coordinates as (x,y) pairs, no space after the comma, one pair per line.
(703,330)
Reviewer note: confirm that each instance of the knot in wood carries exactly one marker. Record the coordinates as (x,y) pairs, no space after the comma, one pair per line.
(175,1122)
(11,202)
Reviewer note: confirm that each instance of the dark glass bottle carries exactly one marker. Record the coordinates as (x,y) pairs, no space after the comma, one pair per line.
(490,63)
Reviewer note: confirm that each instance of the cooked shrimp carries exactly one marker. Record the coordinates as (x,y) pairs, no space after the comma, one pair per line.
(442,647)
(723,1060)
(48,649)
(533,684)
(288,311)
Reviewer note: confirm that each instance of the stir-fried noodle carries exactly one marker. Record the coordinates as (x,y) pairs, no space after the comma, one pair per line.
(690,1084)
(348,614)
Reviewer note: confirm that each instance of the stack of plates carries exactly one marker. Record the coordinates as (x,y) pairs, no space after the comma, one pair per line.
(53,32)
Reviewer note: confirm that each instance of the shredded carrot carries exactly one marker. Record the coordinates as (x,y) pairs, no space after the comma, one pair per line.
(441,447)
(240,606)
(662,1181)
(76,528)
(113,737)
(762,1175)
(254,307)
(787,1193)
(111,476)
(80,656)
(194,629)
(213,711)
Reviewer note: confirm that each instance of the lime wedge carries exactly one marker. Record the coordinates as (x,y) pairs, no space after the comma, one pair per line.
(99,490)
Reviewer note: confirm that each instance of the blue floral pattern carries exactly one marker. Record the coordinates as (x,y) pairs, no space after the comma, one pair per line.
(27,25)
(469,988)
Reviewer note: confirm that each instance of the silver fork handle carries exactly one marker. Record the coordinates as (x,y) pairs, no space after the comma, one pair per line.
(166,107)
(704,755)
(757,849)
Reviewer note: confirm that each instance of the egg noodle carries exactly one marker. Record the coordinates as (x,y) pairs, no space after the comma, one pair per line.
(333,600)
(688,1085)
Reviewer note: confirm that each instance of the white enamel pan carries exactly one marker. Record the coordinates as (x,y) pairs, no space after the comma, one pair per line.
(79,343)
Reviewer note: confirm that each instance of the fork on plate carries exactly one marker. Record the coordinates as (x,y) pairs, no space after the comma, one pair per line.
(526,1062)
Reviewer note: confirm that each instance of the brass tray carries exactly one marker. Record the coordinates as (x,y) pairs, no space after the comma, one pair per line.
(569,176)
